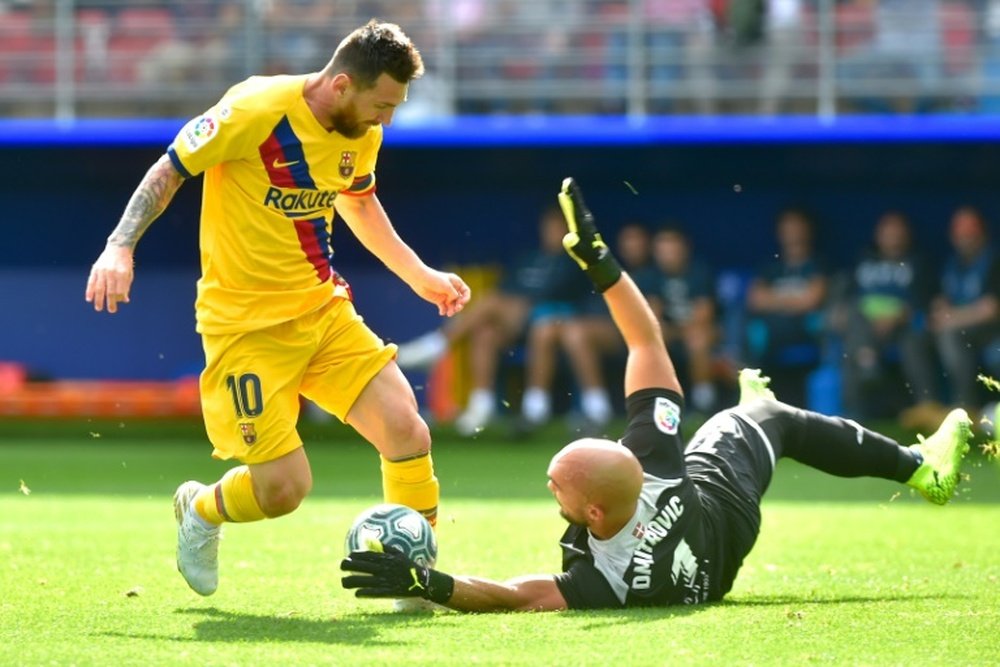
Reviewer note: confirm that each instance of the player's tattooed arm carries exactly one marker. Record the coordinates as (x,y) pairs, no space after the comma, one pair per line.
(150,199)
(111,275)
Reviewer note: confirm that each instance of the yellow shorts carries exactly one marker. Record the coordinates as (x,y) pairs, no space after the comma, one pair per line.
(252,380)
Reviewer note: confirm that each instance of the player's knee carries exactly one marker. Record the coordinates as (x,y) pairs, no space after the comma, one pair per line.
(407,435)
(283,496)
(417,434)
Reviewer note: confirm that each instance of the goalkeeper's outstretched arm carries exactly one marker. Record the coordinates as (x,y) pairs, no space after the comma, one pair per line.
(390,574)
(648,363)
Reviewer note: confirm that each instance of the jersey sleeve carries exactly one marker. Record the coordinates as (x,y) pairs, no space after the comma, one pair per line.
(230,130)
(364,173)
(653,431)
(584,587)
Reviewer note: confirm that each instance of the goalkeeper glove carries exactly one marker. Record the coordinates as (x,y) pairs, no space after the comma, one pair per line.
(391,574)
(583,242)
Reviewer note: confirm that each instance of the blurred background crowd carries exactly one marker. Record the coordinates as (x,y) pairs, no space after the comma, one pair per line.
(887,336)
(874,317)
(157,58)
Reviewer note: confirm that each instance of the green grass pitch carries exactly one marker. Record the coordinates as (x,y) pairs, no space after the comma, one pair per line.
(844,572)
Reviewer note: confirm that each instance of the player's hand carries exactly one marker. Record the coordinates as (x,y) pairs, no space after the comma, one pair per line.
(389,574)
(583,242)
(110,279)
(447,291)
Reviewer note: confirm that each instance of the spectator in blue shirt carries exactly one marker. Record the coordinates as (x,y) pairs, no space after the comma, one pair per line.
(965,315)
(889,295)
(683,295)
(784,304)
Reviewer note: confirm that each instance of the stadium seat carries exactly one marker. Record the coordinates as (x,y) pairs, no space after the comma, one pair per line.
(93,31)
(137,32)
(16,46)
(958,37)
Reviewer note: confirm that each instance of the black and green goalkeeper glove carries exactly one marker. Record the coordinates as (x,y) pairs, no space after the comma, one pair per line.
(583,242)
(390,574)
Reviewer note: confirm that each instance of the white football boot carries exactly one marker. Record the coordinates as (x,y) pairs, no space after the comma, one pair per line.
(197,545)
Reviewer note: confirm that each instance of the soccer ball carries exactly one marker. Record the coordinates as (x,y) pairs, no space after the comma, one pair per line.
(394,526)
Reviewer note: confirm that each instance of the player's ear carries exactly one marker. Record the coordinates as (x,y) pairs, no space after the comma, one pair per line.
(341,83)
(595,513)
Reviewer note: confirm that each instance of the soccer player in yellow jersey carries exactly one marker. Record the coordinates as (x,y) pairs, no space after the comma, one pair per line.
(280,154)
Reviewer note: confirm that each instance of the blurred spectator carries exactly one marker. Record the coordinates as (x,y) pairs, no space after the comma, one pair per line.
(591,335)
(294,34)
(680,48)
(154,45)
(965,315)
(784,303)
(684,299)
(634,249)
(884,322)
(991,58)
(783,41)
(542,288)
(906,49)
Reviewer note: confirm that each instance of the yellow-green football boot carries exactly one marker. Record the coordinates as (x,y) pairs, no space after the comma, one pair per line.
(938,475)
(753,385)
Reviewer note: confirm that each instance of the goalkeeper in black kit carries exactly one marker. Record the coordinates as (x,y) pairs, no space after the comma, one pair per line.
(652,521)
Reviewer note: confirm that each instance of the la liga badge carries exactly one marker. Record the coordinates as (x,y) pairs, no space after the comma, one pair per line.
(667,415)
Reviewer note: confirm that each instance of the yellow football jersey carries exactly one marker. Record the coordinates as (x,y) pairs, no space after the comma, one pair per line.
(272,172)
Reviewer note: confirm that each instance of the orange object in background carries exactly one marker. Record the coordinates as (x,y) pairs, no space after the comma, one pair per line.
(13,377)
(441,382)
(100,398)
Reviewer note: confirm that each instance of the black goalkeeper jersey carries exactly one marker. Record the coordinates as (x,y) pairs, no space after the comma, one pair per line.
(695,520)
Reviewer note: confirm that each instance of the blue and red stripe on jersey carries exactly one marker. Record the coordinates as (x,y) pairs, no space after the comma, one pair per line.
(315,242)
(362,185)
(286,166)
(284,159)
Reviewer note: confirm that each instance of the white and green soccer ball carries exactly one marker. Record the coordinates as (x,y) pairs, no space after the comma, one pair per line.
(389,525)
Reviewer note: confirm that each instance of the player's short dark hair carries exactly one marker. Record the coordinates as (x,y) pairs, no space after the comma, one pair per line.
(375,49)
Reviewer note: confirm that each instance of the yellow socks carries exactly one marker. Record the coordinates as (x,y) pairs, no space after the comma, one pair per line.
(231,499)
(411,482)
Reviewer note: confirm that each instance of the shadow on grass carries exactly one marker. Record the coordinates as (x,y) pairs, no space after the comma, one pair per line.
(217,625)
(612,617)
(606,618)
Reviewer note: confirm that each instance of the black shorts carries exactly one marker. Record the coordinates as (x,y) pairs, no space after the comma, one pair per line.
(731,460)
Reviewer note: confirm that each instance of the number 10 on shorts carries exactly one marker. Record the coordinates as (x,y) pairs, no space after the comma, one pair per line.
(248,400)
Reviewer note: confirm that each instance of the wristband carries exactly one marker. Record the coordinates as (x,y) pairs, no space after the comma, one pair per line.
(440,587)
(605,273)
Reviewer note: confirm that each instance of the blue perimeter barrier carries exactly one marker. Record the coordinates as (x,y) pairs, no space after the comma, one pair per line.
(462,192)
(477,131)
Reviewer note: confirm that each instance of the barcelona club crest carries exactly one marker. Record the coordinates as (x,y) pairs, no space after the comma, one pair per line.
(249,432)
(347,159)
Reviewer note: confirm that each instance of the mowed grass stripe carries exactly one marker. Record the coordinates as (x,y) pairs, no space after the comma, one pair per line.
(859,576)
